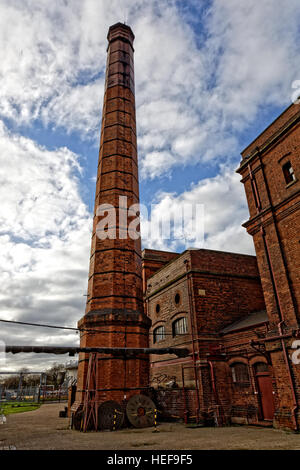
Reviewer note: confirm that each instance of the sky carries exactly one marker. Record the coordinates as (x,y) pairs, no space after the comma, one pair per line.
(210,76)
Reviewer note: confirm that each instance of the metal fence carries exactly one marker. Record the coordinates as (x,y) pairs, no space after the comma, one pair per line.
(38,394)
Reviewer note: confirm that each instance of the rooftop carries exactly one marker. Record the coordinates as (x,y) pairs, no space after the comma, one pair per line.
(256,318)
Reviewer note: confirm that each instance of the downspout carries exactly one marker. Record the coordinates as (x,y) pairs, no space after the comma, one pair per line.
(286,359)
(193,340)
(185,413)
(213,382)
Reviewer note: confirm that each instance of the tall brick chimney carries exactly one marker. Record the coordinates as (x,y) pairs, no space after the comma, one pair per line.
(114,298)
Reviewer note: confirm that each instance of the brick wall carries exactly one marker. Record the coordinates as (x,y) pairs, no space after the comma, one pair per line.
(215,290)
(152,261)
(176,404)
(275,226)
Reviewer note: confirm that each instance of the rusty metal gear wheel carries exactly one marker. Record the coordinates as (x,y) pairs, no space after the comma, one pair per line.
(110,415)
(140,411)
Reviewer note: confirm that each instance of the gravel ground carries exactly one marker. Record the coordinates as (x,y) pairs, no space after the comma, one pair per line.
(43,429)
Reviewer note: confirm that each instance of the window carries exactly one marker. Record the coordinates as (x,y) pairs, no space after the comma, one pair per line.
(261,367)
(177,299)
(157,308)
(159,334)
(288,172)
(240,374)
(179,327)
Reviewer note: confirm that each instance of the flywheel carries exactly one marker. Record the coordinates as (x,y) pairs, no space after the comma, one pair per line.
(140,411)
(110,415)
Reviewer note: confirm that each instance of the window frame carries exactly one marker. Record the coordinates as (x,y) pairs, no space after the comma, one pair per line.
(239,378)
(176,322)
(288,173)
(162,335)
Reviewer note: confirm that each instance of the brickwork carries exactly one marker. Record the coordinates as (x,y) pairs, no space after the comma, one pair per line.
(215,290)
(274,224)
(176,404)
(212,303)
(114,312)
(152,261)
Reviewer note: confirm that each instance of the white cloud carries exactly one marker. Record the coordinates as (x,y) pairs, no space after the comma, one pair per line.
(259,56)
(225,208)
(44,241)
(193,96)
(86,120)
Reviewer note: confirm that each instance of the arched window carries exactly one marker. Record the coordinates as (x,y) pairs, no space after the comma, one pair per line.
(159,334)
(240,374)
(179,327)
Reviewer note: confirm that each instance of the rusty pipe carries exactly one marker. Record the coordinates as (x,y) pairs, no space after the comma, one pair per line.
(185,413)
(193,340)
(271,338)
(213,382)
(286,359)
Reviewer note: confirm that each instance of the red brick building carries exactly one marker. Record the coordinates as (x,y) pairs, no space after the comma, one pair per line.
(212,303)
(237,315)
(238,318)
(270,170)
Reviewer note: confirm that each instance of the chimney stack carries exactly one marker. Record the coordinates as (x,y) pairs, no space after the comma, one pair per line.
(114,314)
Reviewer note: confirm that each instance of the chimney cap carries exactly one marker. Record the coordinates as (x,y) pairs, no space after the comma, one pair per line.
(120,30)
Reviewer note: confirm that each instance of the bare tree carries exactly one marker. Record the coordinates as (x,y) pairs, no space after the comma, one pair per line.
(55,374)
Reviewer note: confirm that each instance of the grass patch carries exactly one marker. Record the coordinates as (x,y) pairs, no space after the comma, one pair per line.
(17,407)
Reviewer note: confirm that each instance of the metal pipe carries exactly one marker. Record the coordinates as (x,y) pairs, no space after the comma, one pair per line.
(114,389)
(23,373)
(295,402)
(179,352)
(271,338)
(185,413)
(213,382)
(254,189)
(193,345)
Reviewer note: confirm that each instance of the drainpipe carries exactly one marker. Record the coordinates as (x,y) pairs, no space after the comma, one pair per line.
(193,344)
(271,338)
(185,413)
(286,359)
(213,382)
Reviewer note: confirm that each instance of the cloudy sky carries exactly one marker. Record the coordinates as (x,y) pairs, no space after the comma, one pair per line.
(210,75)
